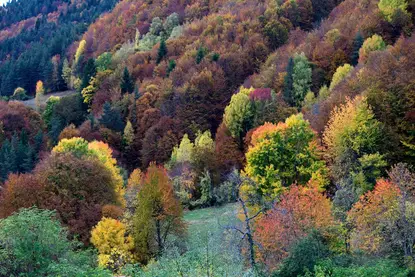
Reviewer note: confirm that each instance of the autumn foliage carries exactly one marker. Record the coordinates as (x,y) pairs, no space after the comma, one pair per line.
(158,215)
(298,212)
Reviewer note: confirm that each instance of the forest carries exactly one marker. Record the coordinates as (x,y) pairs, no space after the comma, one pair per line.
(207,138)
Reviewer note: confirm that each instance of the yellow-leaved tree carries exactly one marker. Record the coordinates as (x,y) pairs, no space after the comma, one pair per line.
(114,245)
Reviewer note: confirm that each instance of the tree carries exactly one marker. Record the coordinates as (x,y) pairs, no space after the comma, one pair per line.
(88,92)
(227,151)
(203,155)
(274,145)
(114,245)
(239,113)
(171,66)
(384,218)
(304,255)
(27,237)
(103,62)
(20,191)
(302,75)
(353,137)
(288,83)
(374,43)
(183,152)
(341,73)
(299,211)
(79,55)
(19,94)
(127,83)
(80,148)
(111,118)
(357,44)
(89,71)
(49,109)
(158,215)
(247,231)
(389,7)
(159,141)
(131,192)
(67,73)
(40,91)
(128,134)
(171,21)
(162,52)
(76,146)
(200,55)
(78,188)
(276,33)
(69,132)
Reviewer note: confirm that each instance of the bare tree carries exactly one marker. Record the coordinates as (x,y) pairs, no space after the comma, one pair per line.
(246,229)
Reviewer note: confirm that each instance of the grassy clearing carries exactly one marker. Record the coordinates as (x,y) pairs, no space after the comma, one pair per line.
(207,219)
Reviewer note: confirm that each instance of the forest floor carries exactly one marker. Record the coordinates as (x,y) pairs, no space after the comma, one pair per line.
(32,103)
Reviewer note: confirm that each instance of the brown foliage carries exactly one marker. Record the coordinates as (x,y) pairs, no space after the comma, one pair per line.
(20,191)
(77,188)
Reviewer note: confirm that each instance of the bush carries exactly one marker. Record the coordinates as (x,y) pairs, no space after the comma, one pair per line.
(33,243)
(357,267)
(20,94)
(304,255)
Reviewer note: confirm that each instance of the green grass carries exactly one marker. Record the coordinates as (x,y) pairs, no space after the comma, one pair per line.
(204,219)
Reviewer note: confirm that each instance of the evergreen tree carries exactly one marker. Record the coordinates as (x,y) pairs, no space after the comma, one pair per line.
(136,93)
(89,72)
(133,113)
(171,67)
(7,160)
(22,151)
(55,128)
(111,118)
(29,159)
(201,52)
(127,83)
(162,52)
(357,44)
(288,83)
(47,74)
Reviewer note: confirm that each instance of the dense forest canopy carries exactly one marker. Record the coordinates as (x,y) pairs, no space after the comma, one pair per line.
(207,138)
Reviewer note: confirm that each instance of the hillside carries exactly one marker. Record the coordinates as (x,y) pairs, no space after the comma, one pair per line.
(207,138)
(34,36)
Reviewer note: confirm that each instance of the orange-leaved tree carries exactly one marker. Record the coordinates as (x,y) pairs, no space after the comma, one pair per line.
(384,219)
(299,211)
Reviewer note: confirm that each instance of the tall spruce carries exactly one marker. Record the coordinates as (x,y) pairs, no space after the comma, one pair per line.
(357,44)
(288,83)
(111,118)
(89,72)
(127,83)
(162,52)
